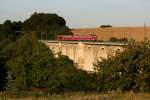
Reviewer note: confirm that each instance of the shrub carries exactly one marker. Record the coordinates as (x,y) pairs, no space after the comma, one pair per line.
(129,70)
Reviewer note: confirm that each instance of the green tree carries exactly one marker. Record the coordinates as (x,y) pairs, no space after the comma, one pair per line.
(67,78)
(8,34)
(47,26)
(105,26)
(27,62)
(3,59)
(129,70)
(113,39)
(30,64)
(11,30)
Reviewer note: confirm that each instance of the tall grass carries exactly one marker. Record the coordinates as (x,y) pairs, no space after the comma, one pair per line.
(78,96)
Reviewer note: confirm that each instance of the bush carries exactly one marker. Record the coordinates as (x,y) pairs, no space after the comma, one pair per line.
(105,26)
(128,70)
(114,39)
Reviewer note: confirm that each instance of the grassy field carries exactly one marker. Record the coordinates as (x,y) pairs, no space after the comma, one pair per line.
(80,96)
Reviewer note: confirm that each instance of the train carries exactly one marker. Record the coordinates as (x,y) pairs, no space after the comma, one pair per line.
(76,37)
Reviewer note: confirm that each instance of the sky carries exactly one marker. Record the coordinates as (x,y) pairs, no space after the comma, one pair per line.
(81,13)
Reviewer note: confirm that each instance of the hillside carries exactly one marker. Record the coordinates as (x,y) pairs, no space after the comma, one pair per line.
(136,33)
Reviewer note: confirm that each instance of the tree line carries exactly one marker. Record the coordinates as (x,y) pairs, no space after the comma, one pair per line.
(46,26)
(28,65)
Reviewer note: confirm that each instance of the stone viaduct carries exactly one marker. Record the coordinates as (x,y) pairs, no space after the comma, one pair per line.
(84,54)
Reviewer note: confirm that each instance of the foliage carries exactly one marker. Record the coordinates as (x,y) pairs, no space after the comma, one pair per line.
(8,33)
(127,71)
(123,40)
(31,65)
(113,39)
(47,26)
(10,30)
(105,26)
(27,62)
(67,78)
(3,59)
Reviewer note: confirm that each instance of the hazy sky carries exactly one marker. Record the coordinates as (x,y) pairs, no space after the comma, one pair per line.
(81,13)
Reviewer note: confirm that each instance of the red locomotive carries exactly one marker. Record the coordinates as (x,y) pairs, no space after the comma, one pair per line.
(76,37)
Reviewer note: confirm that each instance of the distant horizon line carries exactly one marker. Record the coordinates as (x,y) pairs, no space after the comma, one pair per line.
(121,26)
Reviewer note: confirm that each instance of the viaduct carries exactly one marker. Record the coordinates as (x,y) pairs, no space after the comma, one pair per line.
(84,54)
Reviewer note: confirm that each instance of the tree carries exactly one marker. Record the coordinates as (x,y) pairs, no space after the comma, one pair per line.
(3,59)
(67,78)
(31,65)
(129,70)
(47,26)
(11,30)
(113,39)
(123,40)
(105,26)
(8,34)
(27,63)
